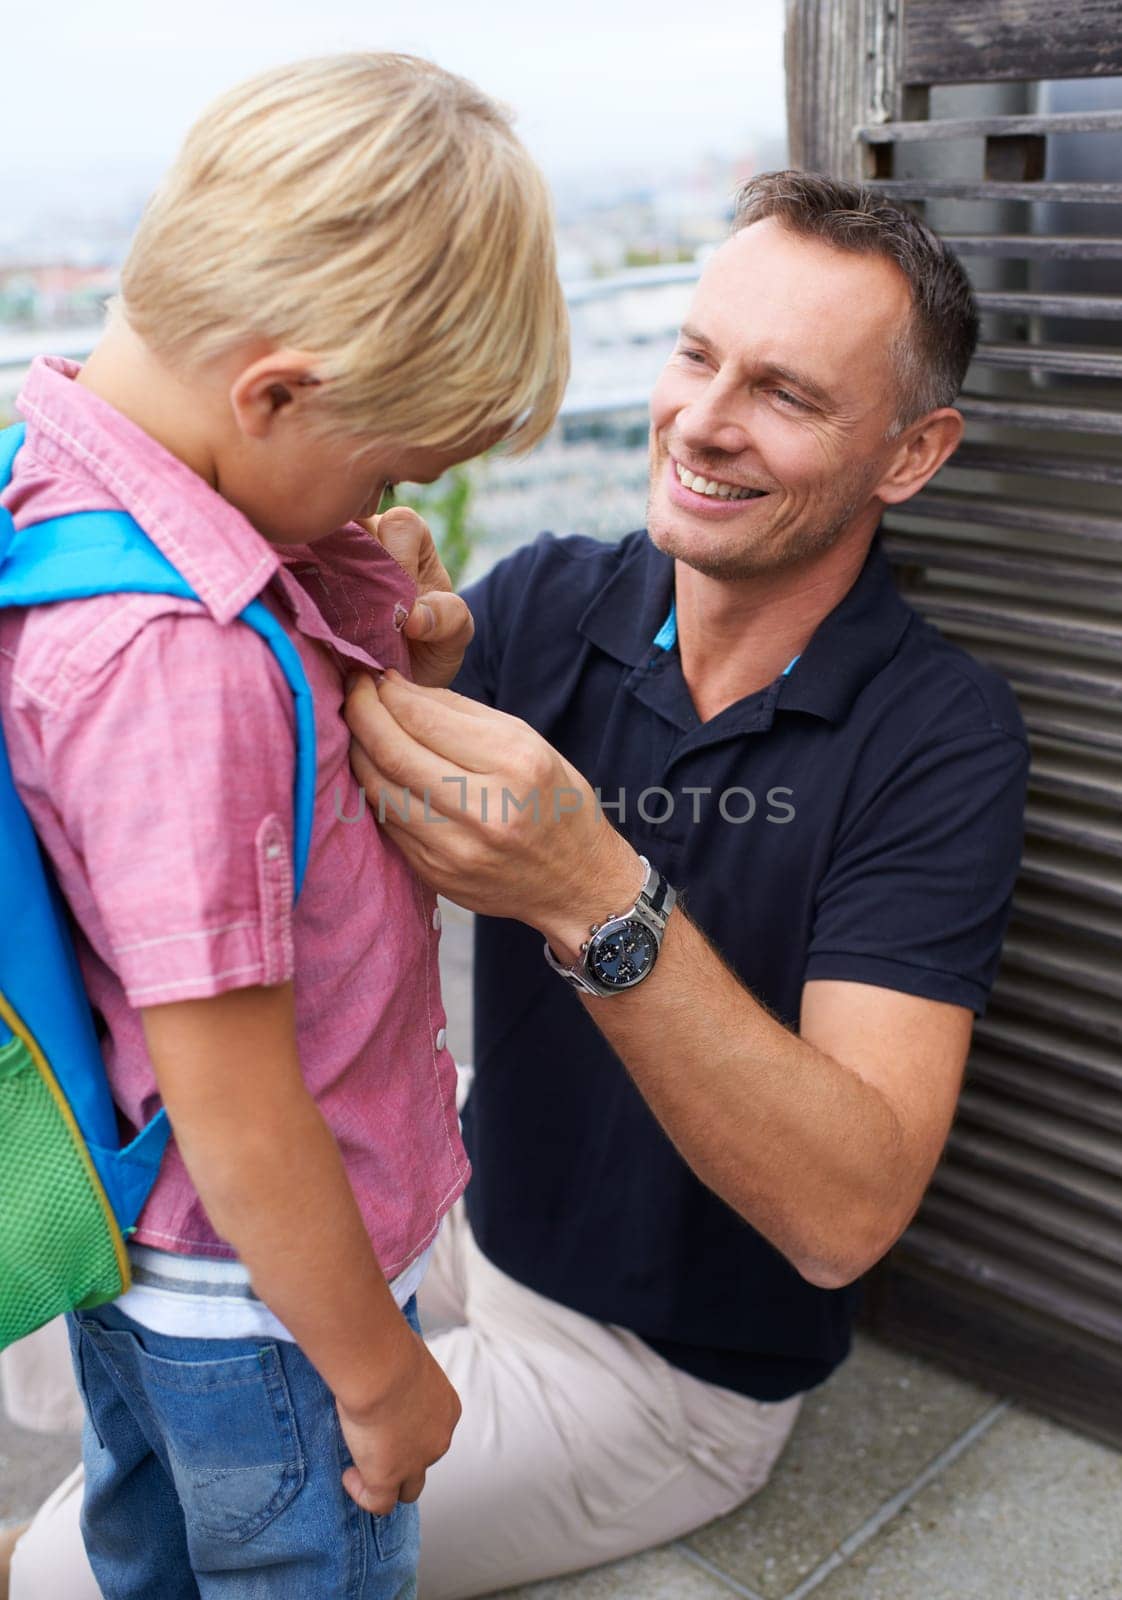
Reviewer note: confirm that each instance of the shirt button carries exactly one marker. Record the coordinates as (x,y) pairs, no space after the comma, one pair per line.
(441,1038)
(436,918)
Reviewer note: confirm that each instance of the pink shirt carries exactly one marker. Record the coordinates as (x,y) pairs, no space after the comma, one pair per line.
(153,746)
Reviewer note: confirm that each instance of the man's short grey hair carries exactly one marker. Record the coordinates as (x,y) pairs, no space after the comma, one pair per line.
(932,354)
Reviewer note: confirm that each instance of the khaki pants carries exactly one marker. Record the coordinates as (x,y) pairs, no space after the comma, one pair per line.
(578,1445)
(36,1382)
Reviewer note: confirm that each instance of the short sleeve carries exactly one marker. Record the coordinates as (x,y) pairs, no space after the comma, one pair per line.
(917,892)
(172,776)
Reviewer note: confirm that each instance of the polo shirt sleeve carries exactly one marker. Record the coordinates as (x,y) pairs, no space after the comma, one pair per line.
(497,603)
(917,891)
(478,676)
(171,771)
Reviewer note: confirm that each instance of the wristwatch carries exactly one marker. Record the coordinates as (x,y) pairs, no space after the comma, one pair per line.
(622,950)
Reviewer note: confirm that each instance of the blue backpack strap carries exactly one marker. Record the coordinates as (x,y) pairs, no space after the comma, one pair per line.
(10,441)
(262,621)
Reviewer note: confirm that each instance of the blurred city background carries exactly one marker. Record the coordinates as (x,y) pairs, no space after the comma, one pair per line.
(643,134)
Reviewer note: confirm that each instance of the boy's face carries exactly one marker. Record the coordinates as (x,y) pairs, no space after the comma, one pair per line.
(271,457)
(304,486)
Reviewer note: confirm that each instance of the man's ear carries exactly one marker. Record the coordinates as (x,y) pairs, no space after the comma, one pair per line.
(273,388)
(920,451)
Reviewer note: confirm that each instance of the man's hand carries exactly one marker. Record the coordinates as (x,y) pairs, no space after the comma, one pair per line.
(401,1432)
(495,818)
(439,627)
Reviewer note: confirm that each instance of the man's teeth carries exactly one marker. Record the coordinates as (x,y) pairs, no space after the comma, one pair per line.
(710,486)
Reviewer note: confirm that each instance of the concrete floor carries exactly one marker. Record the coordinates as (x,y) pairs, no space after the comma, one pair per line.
(901,1482)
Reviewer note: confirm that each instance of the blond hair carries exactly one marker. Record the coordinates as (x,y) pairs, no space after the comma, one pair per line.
(379,213)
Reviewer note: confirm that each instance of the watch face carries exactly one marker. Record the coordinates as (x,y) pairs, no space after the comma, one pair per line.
(622,953)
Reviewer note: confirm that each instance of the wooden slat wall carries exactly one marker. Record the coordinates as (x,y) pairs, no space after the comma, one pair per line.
(970,41)
(1013,1269)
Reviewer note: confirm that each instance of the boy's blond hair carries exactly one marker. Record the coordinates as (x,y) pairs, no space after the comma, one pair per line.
(380,214)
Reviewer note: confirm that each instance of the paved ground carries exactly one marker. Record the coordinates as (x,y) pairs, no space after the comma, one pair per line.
(901,1483)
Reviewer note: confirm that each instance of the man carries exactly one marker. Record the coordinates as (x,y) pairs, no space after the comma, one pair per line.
(679,1178)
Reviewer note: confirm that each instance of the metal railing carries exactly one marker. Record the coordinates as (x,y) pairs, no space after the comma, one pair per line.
(19,347)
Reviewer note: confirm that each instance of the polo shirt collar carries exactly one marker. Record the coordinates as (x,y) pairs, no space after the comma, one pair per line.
(850,645)
(847,649)
(631,607)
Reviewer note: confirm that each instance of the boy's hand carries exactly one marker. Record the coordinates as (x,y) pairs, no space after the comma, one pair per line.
(229,1072)
(439,627)
(399,1435)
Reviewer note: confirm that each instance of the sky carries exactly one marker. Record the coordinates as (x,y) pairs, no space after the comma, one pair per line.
(97,97)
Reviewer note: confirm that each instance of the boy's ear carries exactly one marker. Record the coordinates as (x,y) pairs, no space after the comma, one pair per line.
(272,389)
(920,451)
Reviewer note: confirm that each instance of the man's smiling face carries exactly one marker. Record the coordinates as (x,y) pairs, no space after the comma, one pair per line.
(769,422)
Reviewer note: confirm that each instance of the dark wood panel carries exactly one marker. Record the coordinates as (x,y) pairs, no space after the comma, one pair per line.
(995,1234)
(1036,246)
(961,41)
(955,608)
(1005,567)
(1085,1082)
(1051,1217)
(956,189)
(1004,459)
(1027,414)
(827,89)
(947,505)
(1095,1149)
(1094,1315)
(990,127)
(1075,876)
(995,1343)
(1014,1271)
(1083,307)
(1072,829)
(1077,775)
(1044,719)
(1055,918)
(1048,1057)
(1096,691)
(1076,362)
(1069,963)
(1036,1171)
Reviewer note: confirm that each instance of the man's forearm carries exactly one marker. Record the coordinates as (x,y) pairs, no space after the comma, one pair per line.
(800,1145)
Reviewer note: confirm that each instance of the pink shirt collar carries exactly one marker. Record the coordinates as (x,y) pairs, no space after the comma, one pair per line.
(77,434)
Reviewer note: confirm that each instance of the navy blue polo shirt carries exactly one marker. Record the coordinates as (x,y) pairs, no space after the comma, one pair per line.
(860,818)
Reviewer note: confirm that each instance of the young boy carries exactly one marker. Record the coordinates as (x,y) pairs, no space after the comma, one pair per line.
(346,279)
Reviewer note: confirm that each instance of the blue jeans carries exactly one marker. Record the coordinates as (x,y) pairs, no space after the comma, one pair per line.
(213,1469)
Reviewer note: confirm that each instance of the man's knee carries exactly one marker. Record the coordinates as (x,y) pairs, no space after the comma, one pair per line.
(49,1562)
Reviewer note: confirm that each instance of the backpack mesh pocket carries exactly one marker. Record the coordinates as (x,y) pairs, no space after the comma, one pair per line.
(59,1244)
